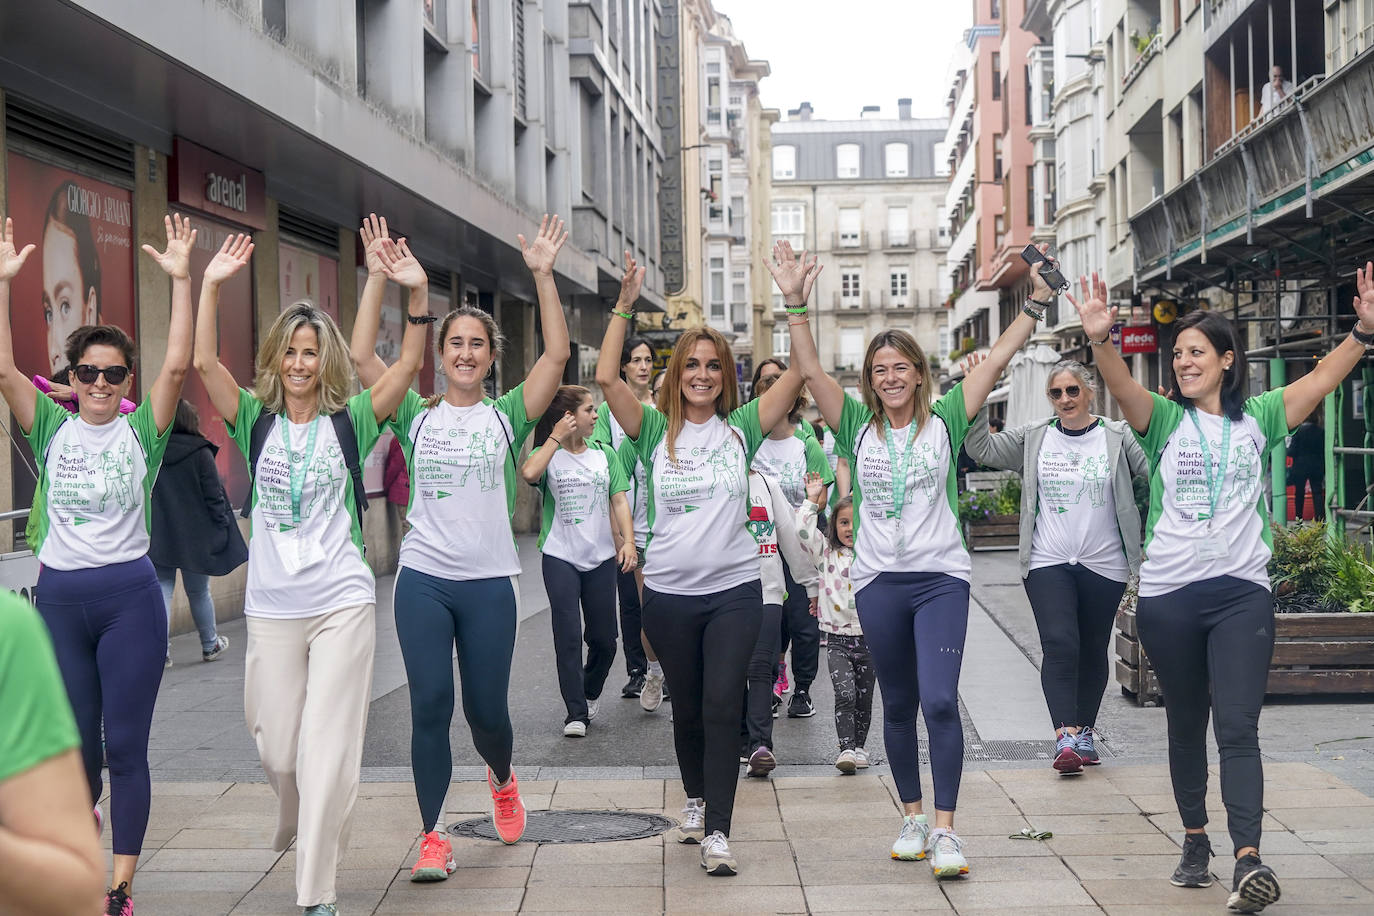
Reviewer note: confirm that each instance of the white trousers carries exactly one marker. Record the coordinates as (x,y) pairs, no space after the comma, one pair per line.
(306,688)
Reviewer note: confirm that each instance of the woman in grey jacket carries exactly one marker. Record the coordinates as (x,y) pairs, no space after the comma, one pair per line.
(1080,540)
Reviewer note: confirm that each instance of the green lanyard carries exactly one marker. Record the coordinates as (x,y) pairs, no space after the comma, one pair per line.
(1216,477)
(298,468)
(899,472)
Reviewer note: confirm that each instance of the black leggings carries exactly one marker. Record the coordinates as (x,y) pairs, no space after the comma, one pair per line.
(802,631)
(704,643)
(763,669)
(432,616)
(635,660)
(1074,611)
(1210,643)
(594,590)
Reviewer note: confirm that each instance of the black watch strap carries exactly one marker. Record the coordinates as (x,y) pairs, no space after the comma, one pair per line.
(422,319)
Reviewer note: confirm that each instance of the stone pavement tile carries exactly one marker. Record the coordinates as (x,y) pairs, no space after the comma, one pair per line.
(203,789)
(468,807)
(550,898)
(811,810)
(611,874)
(823,848)
(1015,868)
(860,788)
(1326,892)
(727,896)
(987,805)
(1163,803)
(275,900)
(1096,867)
(469,853)
(1324,839)
(394,857)
(1158,891)
(884,870)
(1008,896)
(999,909)
(173,902)
(1354,866)
(1035,805)
(1172,909)
(866,898)
(767,863)
(200,838)
(388,790)
(1282,908)
(196,882)
(1291,774)
(800,828)
(1094,824)
(244,791)
(1128,783)
(1286,866)
(1002,846)
(1169,822)
(1302,819)
(1283,796)
(753,831)
(223,817)
(634,852)
(250,860)
(608,793)
(1279,841)
(404,897)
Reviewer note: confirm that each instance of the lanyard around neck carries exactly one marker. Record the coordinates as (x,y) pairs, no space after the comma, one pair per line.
(298,468)
(1216,477)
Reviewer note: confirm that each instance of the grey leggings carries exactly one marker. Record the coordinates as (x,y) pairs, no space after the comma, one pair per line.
(851,675)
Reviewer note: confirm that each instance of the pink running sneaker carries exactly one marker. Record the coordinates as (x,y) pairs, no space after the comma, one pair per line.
(781,686)
(508,811)
(118,902)
(436,858)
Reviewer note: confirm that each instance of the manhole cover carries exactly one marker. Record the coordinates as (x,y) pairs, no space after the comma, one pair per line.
(573,826)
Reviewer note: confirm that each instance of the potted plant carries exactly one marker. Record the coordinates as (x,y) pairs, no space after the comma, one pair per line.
(992,518)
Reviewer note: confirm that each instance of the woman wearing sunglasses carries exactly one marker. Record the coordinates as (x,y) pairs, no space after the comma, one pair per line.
(310,600)
(1080,538)
(98,592)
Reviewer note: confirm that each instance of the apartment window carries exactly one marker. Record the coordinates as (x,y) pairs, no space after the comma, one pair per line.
(996,76)
(847,160)
(996,157)
(850,227)
(896,158)
(897,281)
(789,224)
(851,355)
(1029,96)
(898,227)
(945,344)
(942,225)
(784,162)
(716,184)
(737,216)
(999,229)
(996,9)
(850,292)
(713,93)
(717,273)
(1051,189)
(1030,195)
(782,339)
(940,154)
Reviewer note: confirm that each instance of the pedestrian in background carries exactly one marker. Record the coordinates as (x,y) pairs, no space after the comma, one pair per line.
(194,527)
(396,482)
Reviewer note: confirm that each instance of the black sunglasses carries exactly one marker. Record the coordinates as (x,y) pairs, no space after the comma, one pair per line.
(87,374)
(1072,391)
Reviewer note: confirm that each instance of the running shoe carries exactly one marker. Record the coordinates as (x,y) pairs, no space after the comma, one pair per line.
(575,729)
(508,811)
(118,902)
(221,643)
(633,686)
(861,758)
(780,685)
(166,663)
(321,909)
(651,695)
(947,854)
(592,707)
(436,858)
(801,706)
(1087,749)
(911,842)
(1192,868)
(692,828)
(1255,886)
(1066,759)
(761,762)
(777,702)
(847,762)
(716,857)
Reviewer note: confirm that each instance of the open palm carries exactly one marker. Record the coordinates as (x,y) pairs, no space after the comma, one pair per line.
(793,273)
(632,281)
(1364,302)
(10,258)
(400,265)
(230,258)
(543,251)
(374,233)
(1093,313)
(181,238)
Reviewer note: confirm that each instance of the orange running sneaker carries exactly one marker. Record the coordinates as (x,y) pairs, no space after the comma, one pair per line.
(508,811)
(436,858)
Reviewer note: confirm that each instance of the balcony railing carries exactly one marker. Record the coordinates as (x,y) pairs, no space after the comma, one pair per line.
(858,239)
(857,300)
(903,239)
(1154,47)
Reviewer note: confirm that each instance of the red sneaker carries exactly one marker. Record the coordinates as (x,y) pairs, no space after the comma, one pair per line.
(118,902)
(436,858)
(508,811)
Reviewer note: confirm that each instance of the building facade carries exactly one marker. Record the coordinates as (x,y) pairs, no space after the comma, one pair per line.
(866,196)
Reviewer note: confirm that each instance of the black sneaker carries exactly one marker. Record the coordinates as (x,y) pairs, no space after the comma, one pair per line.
(1192,868)
(801,706)
(633,686)
(777,701)
(1255,886)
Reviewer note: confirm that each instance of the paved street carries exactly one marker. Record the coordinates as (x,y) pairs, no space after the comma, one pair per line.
(808,840)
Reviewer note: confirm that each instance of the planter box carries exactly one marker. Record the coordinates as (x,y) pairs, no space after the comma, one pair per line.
(996,532)
(1313,654)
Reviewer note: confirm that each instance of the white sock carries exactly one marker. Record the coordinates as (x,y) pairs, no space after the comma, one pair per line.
(655,669)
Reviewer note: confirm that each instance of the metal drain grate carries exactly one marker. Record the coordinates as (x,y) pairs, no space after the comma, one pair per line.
(573,826)
(1014,750)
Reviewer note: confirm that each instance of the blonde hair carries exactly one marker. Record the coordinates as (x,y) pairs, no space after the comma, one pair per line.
(494,338)
(907,346)
(335,371)
(670,399)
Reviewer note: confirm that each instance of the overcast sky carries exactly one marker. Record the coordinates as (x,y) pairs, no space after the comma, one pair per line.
(841,55)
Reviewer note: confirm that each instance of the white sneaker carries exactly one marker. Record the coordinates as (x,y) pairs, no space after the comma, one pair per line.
(911,842)
(575,729)
(861,758)
(947,854)
(847,762)
(592,707)
(716,857)
(692,828)
(221,643)
(651,697)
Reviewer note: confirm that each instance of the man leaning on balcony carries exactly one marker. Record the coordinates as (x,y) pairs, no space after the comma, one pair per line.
(1275,92)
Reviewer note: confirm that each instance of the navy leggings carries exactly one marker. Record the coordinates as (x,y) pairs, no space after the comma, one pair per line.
(432,616)
(581,609)
(763,670)
(915,625)
(109,629)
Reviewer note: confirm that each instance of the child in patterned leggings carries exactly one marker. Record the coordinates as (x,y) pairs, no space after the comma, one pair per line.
(851,665)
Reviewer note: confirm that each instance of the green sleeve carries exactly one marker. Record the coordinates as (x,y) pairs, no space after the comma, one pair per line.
(546,505)
(37,723)
(145,428)
(745,418)
(242,432)
(816,462)
(951,409)
(652,427)
(601,432)
(412,405)
(1164,419)
(365,426)
(47,417)
(512,404)
(1269,413)
(805,431)
(620,481)
(854,416)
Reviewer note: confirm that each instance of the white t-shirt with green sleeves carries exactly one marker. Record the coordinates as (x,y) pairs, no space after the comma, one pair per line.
(789,460)
(1177,524)
(699,504)
(1075,520)
(926,538)
(309,567)
(608,430)
(577,491)
(92,505)
(462,484)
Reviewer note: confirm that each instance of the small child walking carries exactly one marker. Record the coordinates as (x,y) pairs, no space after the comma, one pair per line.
(850,663)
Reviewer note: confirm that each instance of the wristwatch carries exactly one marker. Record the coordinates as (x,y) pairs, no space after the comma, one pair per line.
(422,319)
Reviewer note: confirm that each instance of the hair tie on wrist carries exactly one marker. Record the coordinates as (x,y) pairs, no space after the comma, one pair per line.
(556,439)
(422,319)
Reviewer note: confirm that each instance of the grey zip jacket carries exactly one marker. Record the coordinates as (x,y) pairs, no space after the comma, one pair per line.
(1018,450)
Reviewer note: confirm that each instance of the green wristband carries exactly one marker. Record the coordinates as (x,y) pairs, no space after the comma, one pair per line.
(628,316)
(800,310)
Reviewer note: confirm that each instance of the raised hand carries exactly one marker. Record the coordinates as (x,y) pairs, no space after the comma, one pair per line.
(374,233)
(564,429)
(1093,313)
(794,274)
(400,265)
(181,238)
(631,282)
(1364,302)
(543,251)
(815,487)
(232,255)
(1040,290)
(973,359)
(11,259)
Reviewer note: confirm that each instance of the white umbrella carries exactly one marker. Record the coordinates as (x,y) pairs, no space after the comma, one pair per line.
(1027,374)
